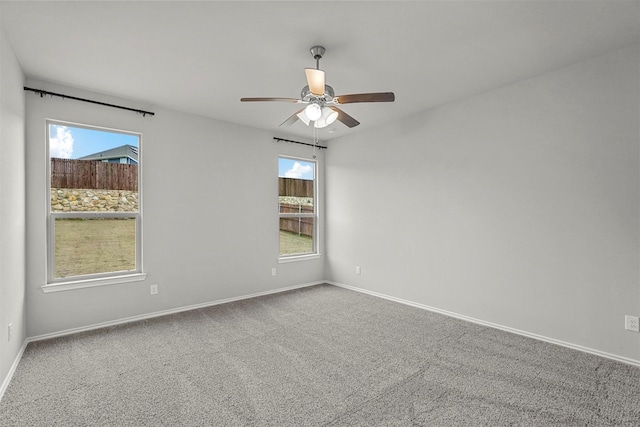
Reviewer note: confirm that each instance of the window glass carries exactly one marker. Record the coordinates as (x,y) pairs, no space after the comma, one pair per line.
(94,204)
(89,246)
(297,206)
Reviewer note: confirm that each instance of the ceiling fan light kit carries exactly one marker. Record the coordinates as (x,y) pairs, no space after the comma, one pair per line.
(327,117)
(321,100)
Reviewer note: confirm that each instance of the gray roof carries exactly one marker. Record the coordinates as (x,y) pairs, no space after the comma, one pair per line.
(114,153)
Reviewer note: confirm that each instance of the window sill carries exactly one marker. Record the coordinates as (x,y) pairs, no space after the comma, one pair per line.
(296,258)
(90,283)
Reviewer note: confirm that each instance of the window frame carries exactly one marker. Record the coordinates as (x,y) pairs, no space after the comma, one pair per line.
(54,284)
(314,215)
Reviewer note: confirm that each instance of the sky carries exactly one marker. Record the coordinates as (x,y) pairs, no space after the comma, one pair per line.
(68,142)
(292,168)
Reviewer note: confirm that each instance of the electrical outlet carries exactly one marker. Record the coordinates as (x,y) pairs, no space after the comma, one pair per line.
(9,331)
(358,269)
(153,289)
(273,271)
(632,323)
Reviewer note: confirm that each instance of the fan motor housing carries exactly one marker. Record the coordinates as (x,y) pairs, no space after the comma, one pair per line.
(307,96)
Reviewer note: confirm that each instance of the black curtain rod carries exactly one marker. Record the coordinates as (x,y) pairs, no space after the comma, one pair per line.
(298,142)
(44,92)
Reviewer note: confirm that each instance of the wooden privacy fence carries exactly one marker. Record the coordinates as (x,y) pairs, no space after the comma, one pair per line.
(295,187)
(302,226)
(90,174)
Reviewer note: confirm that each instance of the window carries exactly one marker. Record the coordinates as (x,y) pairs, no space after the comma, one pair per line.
(94,223)
(297,207)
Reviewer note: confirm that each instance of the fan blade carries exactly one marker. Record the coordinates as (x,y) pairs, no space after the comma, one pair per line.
(269,99)
(345,118)
(315,79)
(365,97)
(292,119)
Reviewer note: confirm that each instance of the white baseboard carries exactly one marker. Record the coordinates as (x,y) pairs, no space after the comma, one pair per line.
(7,380)
(493,325)
(165,312)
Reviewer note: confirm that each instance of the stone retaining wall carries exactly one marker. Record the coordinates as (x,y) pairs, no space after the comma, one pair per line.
(292,200)
(79,200)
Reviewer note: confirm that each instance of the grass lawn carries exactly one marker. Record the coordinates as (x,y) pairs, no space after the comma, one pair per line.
(292,243)
(89,246)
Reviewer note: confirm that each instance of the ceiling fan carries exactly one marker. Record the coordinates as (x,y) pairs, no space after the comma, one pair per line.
(321,103)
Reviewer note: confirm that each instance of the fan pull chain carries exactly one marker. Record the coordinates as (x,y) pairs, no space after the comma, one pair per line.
(315,140)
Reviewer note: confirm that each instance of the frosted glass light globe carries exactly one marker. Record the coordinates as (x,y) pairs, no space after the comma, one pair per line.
(331,116)
(328,116)
(313,111)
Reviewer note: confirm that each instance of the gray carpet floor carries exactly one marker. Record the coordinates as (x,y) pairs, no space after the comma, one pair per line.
(317,356)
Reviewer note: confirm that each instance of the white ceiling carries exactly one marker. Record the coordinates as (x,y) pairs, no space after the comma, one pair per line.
(202,57)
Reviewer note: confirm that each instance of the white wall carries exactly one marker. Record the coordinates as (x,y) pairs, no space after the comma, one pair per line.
(209,213)
(517,206)
(12,207)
